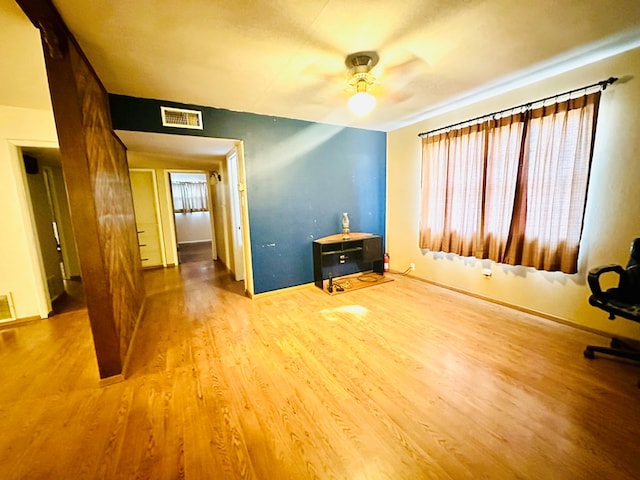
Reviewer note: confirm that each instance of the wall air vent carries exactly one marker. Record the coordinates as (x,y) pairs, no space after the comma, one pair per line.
(181,118)
(6,308)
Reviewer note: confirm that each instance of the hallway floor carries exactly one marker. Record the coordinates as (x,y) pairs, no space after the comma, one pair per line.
(74,298)
(194,252)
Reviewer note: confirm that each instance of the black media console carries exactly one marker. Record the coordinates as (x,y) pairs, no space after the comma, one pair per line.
(336,255)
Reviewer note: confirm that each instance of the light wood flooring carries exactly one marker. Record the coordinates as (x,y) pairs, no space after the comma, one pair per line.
(398,381)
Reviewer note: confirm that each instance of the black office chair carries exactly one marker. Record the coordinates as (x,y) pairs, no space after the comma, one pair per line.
(623,300)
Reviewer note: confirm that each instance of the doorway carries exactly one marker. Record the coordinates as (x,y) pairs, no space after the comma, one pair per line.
(54,236)
(192,216)
(171,154)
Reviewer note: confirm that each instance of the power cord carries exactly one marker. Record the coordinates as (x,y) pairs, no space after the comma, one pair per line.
(341,286)
(405,273)
(369,277)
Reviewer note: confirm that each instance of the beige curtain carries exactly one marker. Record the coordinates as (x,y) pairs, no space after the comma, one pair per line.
(453,176)
(189,197)
(513,189)
(557,158)
(503,160)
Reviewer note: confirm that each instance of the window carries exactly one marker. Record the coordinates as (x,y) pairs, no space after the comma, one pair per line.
(511,189)
(189,196)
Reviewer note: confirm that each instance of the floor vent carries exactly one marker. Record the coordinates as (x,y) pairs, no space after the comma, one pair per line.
(6,308)
(180,118)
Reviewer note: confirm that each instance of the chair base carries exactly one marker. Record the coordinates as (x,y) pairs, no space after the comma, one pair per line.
(619,348)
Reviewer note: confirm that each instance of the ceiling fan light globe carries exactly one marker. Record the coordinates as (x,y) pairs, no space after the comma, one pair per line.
(361,103)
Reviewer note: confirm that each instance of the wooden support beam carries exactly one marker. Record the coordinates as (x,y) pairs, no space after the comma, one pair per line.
(97,181)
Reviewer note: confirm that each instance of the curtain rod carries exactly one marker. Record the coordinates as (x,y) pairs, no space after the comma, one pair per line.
(603,85)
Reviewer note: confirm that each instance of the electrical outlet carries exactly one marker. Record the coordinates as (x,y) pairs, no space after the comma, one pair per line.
(412,266)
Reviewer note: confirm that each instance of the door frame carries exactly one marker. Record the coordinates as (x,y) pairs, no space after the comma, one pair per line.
(36,264)
(236,191)
(172,215)
(244,218)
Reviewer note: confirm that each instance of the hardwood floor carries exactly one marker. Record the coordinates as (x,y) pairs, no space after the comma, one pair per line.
(72,299)
(194,252)
(399,381)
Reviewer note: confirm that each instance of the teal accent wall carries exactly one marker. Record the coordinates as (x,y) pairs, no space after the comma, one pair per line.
(300,177)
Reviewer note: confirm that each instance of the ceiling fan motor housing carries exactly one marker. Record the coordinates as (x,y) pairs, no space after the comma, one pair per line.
(360,64)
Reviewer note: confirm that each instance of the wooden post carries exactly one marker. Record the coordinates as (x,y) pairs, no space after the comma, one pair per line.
(97,181)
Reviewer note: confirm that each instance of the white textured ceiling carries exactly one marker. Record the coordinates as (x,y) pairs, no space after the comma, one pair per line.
(286,58)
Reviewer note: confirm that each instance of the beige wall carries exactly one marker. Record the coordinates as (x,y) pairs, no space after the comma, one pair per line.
(21,272)
(222,214)
(193,227)
(612,217)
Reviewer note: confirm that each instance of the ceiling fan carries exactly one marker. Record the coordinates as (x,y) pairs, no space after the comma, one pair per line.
(367,80)
(361,80)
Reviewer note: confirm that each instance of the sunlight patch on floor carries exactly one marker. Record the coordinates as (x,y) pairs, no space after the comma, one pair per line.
(346,311)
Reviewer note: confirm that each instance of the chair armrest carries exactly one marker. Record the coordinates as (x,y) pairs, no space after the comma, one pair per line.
(594,276)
